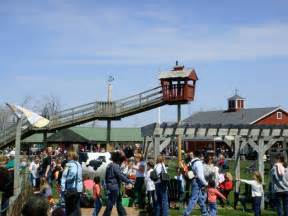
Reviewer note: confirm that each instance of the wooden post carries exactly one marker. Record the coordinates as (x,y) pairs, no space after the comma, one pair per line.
(237,162)
(156,142)
(45,143)
(17,157)
(108,135)
(179,141)
(261,152)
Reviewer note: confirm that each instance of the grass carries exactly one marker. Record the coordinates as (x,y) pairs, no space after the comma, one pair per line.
(245,174)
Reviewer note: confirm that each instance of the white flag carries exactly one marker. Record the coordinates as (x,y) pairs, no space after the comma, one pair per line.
(34,119)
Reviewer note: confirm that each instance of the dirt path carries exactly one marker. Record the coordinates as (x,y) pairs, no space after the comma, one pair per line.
(130,212)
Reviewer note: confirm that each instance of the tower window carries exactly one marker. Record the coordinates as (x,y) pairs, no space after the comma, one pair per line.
(279,115)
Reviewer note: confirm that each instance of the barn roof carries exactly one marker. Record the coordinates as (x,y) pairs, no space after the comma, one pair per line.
(243,116)
(86,134)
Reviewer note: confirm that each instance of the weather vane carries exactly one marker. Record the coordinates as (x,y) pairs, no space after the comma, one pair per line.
(110,78)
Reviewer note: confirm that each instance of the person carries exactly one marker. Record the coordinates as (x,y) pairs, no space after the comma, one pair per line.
(139,183)
(33,168)
(6,187)
(45,170)
(88,184)
(11,161)
(150,188)
(199,183)
(45,188)
(212,194)
(211,172)
(113,179)
(97,196)
(181,184)
(71,184)
(257,191)
(162,206)
(279,187)
(226,187)
(35,206)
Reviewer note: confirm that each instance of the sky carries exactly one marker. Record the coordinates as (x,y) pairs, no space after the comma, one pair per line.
(68,49)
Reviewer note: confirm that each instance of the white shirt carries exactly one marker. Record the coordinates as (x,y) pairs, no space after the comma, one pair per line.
(138,172)
(159,168)
(33,168)
(150,186)
(257,188)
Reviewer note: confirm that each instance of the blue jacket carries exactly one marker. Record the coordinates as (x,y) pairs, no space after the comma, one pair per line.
(70,177)
(114,177)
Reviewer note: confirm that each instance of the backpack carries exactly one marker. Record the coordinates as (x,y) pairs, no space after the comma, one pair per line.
(190,174)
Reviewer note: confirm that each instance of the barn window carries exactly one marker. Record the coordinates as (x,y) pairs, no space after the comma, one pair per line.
(279,115)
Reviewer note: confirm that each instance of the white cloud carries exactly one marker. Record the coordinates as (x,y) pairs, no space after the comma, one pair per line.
(107,35)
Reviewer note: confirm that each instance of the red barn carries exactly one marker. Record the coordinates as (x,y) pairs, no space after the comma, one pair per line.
(236,114)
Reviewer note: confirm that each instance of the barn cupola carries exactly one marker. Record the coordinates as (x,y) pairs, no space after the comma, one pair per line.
(236,103)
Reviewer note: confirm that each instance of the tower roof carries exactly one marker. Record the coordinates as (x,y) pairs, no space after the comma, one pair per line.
(236,97)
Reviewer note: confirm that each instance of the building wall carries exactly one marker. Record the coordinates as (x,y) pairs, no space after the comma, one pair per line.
(272,119)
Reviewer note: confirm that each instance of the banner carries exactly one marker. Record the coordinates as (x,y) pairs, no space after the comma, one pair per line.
(34,119)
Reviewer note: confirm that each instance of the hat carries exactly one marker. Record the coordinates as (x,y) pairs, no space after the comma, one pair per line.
(11,154)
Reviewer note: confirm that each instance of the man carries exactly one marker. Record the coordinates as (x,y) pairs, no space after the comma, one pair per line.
(113,179)
(46,165)
(198,193)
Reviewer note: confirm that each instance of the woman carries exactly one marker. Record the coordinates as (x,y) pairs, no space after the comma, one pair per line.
(279,183)
(72,185)
(113,179)
(162,206)
(140,168)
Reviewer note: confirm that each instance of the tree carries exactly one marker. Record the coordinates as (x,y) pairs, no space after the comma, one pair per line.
(50,107)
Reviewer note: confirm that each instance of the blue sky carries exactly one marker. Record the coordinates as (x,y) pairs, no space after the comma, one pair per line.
(69,48)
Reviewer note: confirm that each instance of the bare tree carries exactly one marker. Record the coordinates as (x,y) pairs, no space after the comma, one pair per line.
(50,107)
(5,117)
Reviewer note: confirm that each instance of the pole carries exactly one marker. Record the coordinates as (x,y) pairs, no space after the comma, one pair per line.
(179,139)
(178,113)
(109,99)
(17,157)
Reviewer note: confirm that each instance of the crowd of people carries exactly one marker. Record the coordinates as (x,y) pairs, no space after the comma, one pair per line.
(202,180)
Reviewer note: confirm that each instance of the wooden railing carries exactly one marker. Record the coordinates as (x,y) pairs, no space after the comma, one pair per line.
(91,111)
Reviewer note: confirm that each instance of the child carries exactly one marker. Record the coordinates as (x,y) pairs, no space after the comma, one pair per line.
(96,196)
(213,193)
(257,191)
(45,188)
(226,187)
(150,187)
(181,184)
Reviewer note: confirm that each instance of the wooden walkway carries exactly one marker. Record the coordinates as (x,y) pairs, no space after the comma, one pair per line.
(130,212)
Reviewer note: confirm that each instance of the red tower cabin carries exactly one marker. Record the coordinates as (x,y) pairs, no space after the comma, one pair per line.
(178,85)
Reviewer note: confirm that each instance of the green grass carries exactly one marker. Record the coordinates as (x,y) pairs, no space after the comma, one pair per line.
(245,174)
(224,212)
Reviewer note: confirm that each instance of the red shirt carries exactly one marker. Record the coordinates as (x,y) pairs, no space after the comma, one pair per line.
(96,191)
(226,185)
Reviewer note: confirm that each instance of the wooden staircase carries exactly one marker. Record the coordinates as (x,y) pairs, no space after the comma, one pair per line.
(98,110)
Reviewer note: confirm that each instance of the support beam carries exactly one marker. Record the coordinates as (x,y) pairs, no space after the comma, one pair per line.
(17,157)
(237,162)
(108,135)
(45,143)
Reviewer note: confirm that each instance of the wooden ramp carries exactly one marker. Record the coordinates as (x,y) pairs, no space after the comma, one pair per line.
(98,110)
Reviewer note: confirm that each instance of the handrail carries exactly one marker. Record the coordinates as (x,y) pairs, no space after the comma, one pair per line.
(94,110)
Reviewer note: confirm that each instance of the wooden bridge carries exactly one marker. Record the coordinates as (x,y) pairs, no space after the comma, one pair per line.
(98,110)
